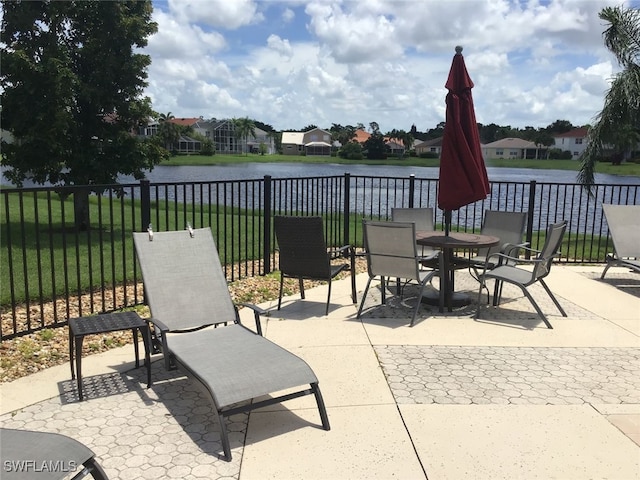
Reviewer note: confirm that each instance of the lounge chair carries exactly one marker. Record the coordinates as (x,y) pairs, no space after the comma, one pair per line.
(624,228)
(27,454)
(392,253)
(201,333)
(303,254)
(508,270)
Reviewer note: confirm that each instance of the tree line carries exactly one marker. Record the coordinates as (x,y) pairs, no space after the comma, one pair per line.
(73,78)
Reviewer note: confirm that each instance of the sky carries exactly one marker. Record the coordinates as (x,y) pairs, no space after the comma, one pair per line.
(293,63)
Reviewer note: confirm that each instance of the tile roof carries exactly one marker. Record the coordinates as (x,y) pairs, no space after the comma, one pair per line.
(575,133)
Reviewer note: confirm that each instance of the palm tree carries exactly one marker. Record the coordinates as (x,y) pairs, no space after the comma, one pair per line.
(243,128)
(618,124)
(168,131)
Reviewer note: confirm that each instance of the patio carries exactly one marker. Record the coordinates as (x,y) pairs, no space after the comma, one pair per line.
(451,398)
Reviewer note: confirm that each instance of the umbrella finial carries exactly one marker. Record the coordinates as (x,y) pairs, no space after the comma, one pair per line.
(458,49)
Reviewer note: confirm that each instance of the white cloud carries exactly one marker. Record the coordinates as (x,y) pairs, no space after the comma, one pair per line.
(216,13)
(295,63)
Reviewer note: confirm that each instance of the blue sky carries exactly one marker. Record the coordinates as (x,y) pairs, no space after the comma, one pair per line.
(295,63)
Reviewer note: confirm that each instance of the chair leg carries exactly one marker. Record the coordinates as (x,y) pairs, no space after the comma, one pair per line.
(301,283)
(224,437)
(364,296)
(564,314)
(321,408)
(281,289)
(354,296)
(95,469)
(326,312)
(482,281)
(535,305)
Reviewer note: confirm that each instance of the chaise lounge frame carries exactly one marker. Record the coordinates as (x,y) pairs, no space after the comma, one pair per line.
(201,333)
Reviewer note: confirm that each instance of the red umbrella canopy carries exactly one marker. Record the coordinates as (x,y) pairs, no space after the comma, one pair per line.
(463,175)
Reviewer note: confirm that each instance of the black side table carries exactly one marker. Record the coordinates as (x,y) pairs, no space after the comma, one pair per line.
(108,322)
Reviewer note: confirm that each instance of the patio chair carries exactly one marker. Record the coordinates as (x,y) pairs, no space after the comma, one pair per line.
(27,454)
(509,228)
(304,254)
(391,252)
(508,270)
(423,219)
(201,331)
(624,228)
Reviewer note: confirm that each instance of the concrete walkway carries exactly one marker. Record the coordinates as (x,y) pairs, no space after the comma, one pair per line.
(502,397)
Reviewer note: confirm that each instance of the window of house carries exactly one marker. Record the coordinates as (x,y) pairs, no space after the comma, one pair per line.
(499,152)
(513,153)
(575,154)
(432,149)
(578,141)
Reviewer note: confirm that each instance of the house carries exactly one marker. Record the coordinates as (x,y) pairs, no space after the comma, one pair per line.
(512,148)
(575,141)
(433,146)
(220,132)
(394,145)
(313,142)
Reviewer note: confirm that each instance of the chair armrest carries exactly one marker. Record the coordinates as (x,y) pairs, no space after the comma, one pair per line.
(344,251)
(257,311)
(508,248)
(157,324)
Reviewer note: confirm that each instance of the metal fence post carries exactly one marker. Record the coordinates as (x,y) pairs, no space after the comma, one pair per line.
(145,204)
(531,207)
(266,240)
(412,190)
(346,209)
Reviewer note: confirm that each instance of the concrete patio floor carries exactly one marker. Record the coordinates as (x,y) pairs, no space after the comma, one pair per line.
(501,397)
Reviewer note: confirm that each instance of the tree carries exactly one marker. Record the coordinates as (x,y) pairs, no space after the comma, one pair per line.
(618,124)
(375,146)
(243,128)
(341,134)
(72,86)
(168,131)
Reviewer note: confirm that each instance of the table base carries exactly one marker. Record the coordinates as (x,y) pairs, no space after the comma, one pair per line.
(431,296)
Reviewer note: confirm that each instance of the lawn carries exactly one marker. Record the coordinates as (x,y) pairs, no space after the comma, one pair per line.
(627,169)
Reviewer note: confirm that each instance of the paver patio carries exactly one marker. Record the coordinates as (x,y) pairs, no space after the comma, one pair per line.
(451,398)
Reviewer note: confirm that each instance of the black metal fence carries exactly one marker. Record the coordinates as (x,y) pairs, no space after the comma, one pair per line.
(51,271)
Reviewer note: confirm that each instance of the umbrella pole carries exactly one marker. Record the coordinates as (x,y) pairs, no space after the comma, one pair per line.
(447,222)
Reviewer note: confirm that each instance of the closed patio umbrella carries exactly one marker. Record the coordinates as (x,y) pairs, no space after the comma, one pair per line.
(463,175)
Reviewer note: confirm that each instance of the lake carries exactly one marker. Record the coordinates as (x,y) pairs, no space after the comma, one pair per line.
(250,171)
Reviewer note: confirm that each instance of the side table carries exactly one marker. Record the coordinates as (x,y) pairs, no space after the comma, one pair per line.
(104,323)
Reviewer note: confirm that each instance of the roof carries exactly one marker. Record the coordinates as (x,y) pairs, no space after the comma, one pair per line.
(361,136)
(432,142)
(511,143)
(297,138)
(581,132)
(186,122)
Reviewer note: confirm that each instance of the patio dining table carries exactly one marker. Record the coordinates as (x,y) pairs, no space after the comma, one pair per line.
(448,243)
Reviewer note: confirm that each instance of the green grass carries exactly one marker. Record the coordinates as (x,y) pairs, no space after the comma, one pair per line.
(104,254)
(631,169)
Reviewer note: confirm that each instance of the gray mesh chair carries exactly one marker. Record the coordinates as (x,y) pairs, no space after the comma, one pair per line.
(304,254)
(508,270)
(624,228)
(423,219)
(391,252)
(188,296)
(509,228)
(24,453)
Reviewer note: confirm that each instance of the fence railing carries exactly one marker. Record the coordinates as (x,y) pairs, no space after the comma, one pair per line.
(51,271)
